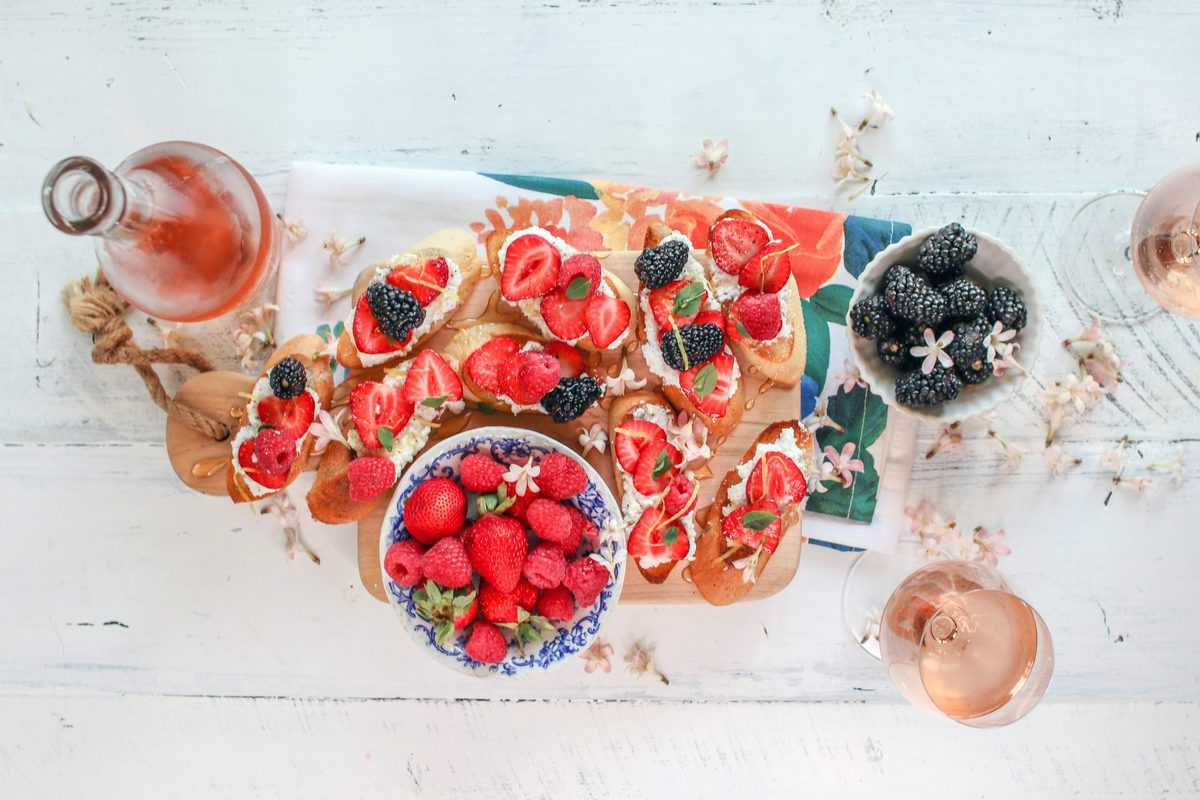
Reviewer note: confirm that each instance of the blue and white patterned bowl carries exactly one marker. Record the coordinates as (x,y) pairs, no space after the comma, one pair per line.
(597,503)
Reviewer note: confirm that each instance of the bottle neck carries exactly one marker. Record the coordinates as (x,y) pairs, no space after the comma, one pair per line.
(81,197)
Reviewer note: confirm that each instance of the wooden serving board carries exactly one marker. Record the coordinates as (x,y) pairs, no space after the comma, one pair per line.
(762,409)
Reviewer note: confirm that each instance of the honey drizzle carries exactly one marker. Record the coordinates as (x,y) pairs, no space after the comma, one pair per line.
(207,467)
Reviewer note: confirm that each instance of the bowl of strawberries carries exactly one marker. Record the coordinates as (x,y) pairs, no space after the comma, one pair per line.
(502,551)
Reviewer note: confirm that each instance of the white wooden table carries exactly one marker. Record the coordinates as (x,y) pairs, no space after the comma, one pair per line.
(158,644)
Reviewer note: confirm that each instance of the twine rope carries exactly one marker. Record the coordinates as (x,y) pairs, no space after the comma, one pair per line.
(96,308)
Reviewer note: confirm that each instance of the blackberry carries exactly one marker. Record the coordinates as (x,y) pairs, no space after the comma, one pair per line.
(658,266)
(910,296)
(973,367)
(869,318)
(1006,307)
(915,389)
(571,397)
(893,350)
(700,343)
(964,298)
(288,379)
(396,311)
(943,254)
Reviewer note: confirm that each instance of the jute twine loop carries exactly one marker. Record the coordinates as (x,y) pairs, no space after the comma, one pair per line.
(96,308)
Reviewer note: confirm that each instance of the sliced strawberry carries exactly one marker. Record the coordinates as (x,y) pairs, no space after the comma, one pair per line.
(368,336)
(631,437)
(768,271)
(376,405)
(292,416)
(715,402)
(484,364)
(656,468)
(651,538)
(778,478)
(245,457)
(570,360)
(662,304)
(430,378)
(583,265)
(425,280)
(530,268)
(566,318)
(732,242)
(532,376)
(760,315)
(607,319)
(765,527)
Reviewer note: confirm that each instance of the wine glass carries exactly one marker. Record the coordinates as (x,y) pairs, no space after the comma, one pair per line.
(1155,235)
(958,642)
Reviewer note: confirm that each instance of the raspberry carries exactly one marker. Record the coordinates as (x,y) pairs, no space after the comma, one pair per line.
(402,562)
(557,604)
(545,566)
(581,528)
(481,473)
(369,476)
(274,451)
(446,563)
(561,477)
(526,594)
(497,606)
(487,644)
(679,494)
(535,374)
(550,521)
(586,578)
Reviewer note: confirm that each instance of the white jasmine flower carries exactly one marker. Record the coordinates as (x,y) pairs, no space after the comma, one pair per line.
(280,506)
(881,111)
(593,438)
(328,295)
(690,437)
(934,351)
(295,230)
(749,566)
(623,381)
(1058,461)
(640,661)
(522,477)
(712,156)
(597,656)
(819,418)
(327,428)
(1000,342)
(339,249)
(989,546)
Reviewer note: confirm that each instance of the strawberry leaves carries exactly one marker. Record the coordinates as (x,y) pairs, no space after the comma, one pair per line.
(529,628)
(496,502)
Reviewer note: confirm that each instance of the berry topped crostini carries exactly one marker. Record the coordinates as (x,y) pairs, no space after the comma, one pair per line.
(273,444)
(391,420)
(759,502)
(564,292)
(684,332)
(657,491)
(755,286)
(511,368)
(402,302)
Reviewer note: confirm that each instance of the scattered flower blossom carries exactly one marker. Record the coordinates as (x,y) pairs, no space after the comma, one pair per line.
(339,249)
(819,418)
(522,477)
(328,295)
(327,428)
(990,545)
(171,333)
(623,381)
(253,337)
(1013,454)
(1058,462)
(593,438)
(690,437)
(844,464)
(1173,469)
(949,437)
(281,507)
(941,537)
(871,623)
(295,230)
(1114,457)
(934,351)
(748,565)
(1067,398)
(1000,342)
(640,661)
(597,656)
(881,110)
(851,167)
(1097,356)
(849,377)
(712,156)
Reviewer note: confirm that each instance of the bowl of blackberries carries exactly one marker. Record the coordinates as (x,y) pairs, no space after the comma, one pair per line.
(943,323)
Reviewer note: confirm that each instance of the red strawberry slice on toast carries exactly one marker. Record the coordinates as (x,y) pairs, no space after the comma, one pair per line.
(530,268)
(732,241)
(776,477)
(292,416)
(484,365)
(653,537)
(607,318)
(631,437)
(662,304)
(425,279)
(368,336)
(570,360)
(376,405)
(760,316)
(754,525)
(716,401)
(655,468)
(566,318)
(768,271)
(431,379)
(245,457)
(581,265)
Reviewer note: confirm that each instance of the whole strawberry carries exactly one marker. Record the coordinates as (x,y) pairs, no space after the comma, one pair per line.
(585,578)
(481,473)
(497,606)
(550,521)
(560,477)
(526,594)
(402,562)
(370,476)
(497,550)
(446,564)
(487,644)
(557,604)
(545,566)
(436,509)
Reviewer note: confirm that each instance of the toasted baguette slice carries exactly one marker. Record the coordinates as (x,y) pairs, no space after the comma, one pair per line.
(717,580)
(457,245)
(622,293)
(781,361)
(307,350)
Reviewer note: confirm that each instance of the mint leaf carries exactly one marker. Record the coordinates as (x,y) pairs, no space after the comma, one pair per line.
(706,381)
(758,520)
(741,329)
(485,408)
(386,438)
(670,535)
(661,464)
(687,301)
(434,402)
(579,288)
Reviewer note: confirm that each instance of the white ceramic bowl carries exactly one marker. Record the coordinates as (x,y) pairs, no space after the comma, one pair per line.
(993,265)
(597,503)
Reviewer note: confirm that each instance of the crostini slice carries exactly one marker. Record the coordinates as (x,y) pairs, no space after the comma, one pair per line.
(273,445)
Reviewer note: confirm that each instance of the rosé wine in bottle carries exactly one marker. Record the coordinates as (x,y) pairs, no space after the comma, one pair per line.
(182,230)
